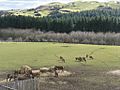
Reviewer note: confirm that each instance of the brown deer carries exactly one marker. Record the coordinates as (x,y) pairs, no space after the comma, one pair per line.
(62,59)
(84,59)
(91,57)
(87,55)
(80,59)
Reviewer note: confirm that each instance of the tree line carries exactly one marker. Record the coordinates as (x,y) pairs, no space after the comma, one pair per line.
(31,35)
(99,20)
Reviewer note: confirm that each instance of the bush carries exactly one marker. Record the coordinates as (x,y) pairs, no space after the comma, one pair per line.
(31,35)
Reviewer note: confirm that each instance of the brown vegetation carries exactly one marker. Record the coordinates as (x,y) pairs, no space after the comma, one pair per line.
(26,72)
(73,37)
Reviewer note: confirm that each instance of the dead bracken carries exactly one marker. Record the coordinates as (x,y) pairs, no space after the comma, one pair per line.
(26,72)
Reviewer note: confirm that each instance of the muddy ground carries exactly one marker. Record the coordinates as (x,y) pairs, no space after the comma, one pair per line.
(84,78)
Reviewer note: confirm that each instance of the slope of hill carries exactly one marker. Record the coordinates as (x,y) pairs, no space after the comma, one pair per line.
(45,10)
(42,10)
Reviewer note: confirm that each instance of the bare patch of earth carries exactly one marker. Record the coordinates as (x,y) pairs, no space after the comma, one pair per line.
(114,72)
(84,78)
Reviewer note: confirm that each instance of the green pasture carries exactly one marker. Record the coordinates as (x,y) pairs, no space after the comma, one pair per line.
(37,54)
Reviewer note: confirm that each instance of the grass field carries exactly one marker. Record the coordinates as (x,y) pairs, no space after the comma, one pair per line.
(88,76)
(13,55)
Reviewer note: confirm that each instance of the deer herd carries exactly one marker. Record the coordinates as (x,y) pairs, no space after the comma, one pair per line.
(26,72)
(84,58)
(79,59)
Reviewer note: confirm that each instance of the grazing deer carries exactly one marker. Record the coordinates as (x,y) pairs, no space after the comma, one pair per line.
(87,55)
(80,59)
(62,59)
(91,57)
(84,59)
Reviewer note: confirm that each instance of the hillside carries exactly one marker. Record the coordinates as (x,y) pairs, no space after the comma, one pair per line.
(65,18)
(76,6)
(103,19)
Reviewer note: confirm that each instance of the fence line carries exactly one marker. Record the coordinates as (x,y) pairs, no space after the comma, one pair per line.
(32,84)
